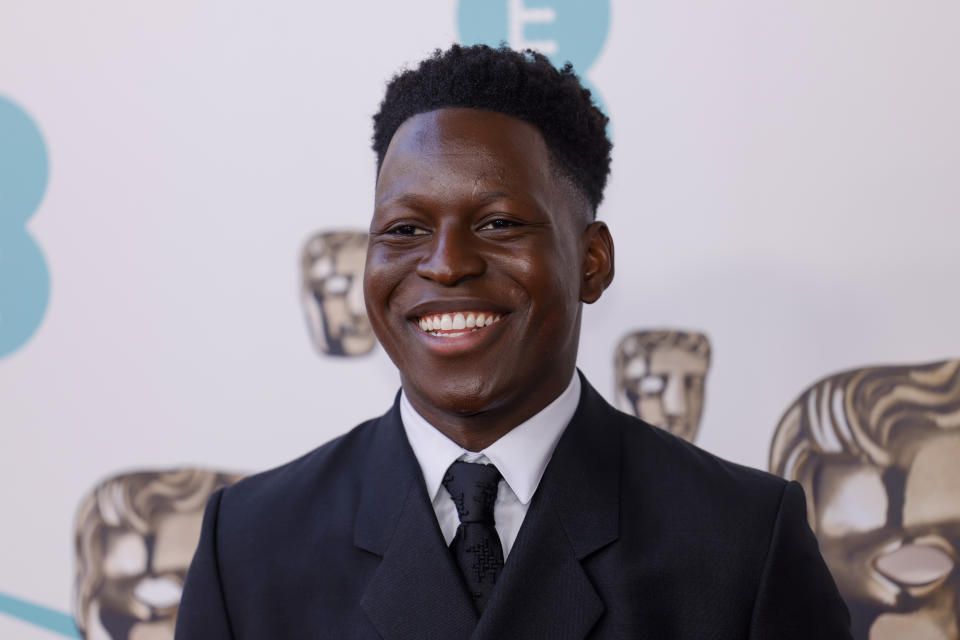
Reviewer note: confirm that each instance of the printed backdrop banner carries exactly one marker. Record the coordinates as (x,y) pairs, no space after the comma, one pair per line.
(185,189)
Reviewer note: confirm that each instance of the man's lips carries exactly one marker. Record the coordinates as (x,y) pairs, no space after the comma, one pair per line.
(451,326)
(444,305)
(458,341)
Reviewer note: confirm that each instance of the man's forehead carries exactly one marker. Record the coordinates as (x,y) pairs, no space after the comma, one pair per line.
(420,188)
(481,151)
(425,131)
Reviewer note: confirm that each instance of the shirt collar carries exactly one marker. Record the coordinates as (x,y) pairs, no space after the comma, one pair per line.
(521,455)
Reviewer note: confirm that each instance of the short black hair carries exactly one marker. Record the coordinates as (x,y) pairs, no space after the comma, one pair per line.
(522,84)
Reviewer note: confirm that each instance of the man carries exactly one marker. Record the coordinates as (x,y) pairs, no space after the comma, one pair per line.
(501,497)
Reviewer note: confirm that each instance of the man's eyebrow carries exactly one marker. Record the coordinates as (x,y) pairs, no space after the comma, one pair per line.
(416,201)
(487,196)
(404,198)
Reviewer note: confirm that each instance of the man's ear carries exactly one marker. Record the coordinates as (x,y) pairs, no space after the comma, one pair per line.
(597,261)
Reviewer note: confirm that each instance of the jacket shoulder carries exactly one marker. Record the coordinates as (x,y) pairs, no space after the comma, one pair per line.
(685,466)
(278,497)
(703,492)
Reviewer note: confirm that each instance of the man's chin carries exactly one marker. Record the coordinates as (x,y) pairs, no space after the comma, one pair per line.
(465,396)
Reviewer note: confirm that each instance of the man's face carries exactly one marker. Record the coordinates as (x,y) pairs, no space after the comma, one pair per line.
(471,218)
(891,536)
(665,386)
(332,294)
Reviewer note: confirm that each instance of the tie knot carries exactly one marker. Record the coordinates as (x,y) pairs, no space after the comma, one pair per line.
(473,488)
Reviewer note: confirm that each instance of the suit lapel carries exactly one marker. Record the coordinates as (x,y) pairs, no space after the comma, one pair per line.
(544,591)
(416,591)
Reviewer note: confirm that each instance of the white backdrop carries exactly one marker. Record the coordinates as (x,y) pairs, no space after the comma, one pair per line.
(785,179)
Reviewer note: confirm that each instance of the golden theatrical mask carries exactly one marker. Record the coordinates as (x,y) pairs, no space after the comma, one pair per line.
(332,293)
(878,452)
(660,378)
(136,535)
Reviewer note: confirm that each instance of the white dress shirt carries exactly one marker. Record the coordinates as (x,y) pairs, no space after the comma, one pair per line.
(521,456)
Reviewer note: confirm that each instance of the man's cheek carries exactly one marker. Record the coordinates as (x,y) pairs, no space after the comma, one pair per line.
(383,271)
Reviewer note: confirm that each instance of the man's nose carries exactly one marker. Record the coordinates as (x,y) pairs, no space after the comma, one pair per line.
(454,255)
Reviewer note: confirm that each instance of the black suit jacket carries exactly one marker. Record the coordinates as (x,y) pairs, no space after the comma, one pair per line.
(633,533)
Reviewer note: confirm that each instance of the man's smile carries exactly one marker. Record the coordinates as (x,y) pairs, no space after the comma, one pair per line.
(457,323)
(460,323)
(457,333)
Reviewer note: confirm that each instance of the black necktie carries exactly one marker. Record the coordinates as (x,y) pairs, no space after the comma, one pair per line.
(476,547)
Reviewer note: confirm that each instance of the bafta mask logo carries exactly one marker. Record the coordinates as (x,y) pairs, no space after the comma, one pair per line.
(136,534)
(660,377)
(878,452)
(332,293)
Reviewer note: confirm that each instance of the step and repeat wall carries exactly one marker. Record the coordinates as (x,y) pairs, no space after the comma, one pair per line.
(184,192)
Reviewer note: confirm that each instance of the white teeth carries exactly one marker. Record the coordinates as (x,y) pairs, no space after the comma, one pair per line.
(456,321)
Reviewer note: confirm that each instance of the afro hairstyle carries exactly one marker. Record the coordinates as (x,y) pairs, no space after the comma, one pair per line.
(522,84)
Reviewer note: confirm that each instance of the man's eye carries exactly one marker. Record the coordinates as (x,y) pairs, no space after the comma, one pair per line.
(500,223)
(406,230)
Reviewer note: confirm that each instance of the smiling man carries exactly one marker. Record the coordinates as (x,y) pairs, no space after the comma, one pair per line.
(501,497)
